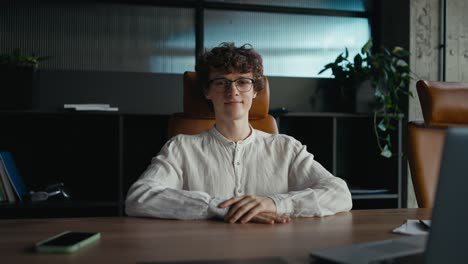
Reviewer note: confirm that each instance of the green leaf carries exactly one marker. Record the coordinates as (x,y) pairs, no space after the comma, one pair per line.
(402,64)
(358,61)
(378,93)
(326,67)
(400,52)
(346,53)
(387,53)
(382,125)
(339,58)
(366,46)
(386,152)
(19,59)
(321,71)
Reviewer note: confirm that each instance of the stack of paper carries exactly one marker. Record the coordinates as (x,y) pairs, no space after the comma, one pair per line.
(414,227)
(90,107)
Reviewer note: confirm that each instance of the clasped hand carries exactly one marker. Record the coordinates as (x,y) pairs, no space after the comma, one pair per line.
(250,208)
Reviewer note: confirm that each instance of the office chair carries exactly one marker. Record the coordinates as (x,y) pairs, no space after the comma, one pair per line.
(198,114)
(443,104)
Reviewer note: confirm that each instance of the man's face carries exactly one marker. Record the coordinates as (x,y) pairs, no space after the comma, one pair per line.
(231,100)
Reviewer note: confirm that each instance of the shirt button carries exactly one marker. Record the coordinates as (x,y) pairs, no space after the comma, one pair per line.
(238,163)
(239,191)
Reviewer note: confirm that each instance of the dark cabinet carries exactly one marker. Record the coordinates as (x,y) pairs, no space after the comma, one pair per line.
(346,145)
(95,155)
(99,155)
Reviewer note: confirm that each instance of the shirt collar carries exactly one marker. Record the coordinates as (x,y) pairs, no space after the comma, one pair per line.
(216,134)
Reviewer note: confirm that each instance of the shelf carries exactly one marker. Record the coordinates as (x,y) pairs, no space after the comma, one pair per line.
(96,155)
(374,196)
(345,144)
(61,209)
(331,114)
(99,155)
(59,204)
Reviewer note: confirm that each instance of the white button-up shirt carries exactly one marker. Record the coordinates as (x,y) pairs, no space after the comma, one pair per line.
(192,174)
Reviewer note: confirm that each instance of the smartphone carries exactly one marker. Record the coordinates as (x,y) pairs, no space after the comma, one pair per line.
(67,242)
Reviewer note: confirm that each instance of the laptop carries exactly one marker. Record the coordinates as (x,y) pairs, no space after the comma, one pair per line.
(448,237)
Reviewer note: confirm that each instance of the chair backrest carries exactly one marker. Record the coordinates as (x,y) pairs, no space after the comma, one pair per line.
(443,104)
(198,114)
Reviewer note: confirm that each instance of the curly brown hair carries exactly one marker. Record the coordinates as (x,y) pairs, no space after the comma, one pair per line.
(228,58)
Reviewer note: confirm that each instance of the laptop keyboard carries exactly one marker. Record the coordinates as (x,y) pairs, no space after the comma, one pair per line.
(391,247)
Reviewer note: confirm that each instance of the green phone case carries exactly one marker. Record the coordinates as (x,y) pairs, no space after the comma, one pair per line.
(40,247)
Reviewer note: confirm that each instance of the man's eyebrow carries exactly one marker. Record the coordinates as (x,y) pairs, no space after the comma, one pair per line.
(223,76)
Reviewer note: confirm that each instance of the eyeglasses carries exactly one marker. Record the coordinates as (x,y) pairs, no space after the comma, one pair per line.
(221,85)
(56,191)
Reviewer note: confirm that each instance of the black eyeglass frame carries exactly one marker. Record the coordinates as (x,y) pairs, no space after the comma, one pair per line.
(229,83)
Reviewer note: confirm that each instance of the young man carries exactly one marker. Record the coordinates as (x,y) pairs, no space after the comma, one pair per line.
(233,171)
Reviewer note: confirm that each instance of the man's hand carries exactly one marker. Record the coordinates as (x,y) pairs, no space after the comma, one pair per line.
(250,208)
(270,218)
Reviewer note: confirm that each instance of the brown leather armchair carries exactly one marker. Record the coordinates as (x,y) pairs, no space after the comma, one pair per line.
(198,114)
(443,104)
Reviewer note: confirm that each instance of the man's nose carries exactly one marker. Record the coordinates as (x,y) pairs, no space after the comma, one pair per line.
(230,87)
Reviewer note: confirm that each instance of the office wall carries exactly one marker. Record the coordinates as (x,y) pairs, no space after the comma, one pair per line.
(424,58)
(157,93)
(456,53)
(132,92)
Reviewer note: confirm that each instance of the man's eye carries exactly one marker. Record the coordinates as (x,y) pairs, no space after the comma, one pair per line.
(219,82)
(244,82)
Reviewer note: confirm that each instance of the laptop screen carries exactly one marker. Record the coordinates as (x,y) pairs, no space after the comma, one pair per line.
(448,239)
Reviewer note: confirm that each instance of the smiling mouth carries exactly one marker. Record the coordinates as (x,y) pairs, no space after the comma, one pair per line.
(234,102)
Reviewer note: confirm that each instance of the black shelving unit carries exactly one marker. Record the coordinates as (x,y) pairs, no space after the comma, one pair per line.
(345,144)
(96,155)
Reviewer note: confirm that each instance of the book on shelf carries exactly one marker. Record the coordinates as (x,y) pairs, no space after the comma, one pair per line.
(90,107)
(3,196)
(9,193)
(13,177)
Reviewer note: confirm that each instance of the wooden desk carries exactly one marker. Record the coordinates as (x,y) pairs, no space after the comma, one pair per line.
(132,240)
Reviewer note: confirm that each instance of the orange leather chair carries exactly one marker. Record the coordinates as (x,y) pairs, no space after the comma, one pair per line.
(199,116)
(443,104)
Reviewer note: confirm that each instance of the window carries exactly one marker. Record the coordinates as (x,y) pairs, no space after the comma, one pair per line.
(291,45)
(149,38)
(102,37)
(345,5)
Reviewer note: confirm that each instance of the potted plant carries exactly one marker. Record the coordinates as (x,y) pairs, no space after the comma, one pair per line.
(18,72)
(349,75)
(389,74)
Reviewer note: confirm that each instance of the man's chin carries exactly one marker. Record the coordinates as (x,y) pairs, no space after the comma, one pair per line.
(234,116)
